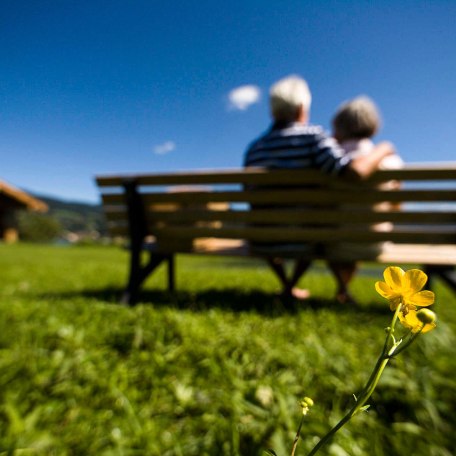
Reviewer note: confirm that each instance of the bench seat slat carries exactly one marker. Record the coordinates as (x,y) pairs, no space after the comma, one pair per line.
(292,234)
(390,254)
(292,197)
(252,176)
(305,216)
(424,171)
(297,235)
(289,216)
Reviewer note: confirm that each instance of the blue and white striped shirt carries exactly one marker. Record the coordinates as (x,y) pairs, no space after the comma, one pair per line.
(297,146)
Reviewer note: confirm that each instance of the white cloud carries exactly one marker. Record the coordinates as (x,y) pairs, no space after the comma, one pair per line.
(164,148)
(242,97)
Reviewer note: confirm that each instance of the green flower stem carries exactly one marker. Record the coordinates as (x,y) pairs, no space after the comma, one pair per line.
(298,433)
(385,356)
(365,395)
(409,341)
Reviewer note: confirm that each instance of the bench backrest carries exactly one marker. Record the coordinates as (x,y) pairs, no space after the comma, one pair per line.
(282,205)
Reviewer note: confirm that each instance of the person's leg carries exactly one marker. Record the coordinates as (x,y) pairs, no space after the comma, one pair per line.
(278,267)
(300,268)
(288,285)
(343,272)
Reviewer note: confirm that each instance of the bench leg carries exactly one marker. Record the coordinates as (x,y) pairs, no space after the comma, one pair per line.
(138,274)
(446,273)
(171,274)
(449,276)
(301,266)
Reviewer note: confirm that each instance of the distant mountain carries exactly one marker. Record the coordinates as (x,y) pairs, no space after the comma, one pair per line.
(76,217)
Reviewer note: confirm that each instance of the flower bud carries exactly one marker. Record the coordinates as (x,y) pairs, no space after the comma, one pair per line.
(308,401)
(305,404)
(426,316)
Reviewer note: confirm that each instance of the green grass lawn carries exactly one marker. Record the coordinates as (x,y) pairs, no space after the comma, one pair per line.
(217,369)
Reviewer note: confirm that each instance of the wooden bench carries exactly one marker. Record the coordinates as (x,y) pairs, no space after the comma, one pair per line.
(238,212)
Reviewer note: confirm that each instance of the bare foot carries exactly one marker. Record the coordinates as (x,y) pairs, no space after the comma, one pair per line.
(300,293)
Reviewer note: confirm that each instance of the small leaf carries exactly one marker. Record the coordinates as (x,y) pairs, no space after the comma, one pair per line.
(271,452)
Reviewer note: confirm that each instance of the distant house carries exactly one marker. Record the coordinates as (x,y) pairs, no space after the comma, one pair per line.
(11,200)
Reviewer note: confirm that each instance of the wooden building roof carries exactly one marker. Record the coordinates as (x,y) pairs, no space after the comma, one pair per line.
(13,196)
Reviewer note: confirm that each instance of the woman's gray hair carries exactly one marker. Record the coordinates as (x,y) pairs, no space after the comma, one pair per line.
(287,96)
(356,119)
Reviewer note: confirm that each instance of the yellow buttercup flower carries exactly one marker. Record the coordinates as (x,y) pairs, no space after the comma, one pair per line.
(416,322)
(405,287)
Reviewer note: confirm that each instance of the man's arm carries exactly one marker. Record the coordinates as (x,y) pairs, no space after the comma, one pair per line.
(362,167)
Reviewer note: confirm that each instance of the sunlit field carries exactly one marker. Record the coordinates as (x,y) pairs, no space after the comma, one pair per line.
(218,368)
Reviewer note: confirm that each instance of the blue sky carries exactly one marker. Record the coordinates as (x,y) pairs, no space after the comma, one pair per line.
(101,87)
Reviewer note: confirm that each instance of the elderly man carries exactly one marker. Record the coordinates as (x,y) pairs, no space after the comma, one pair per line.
(292,143)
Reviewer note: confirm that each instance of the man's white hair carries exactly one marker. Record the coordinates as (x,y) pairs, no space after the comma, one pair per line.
(287,96)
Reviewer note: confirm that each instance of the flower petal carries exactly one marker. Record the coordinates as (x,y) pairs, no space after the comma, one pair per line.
(414,280)
(393,277)
(428,327)
(384,290)
(412,322)
(394,303)
(422,299)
